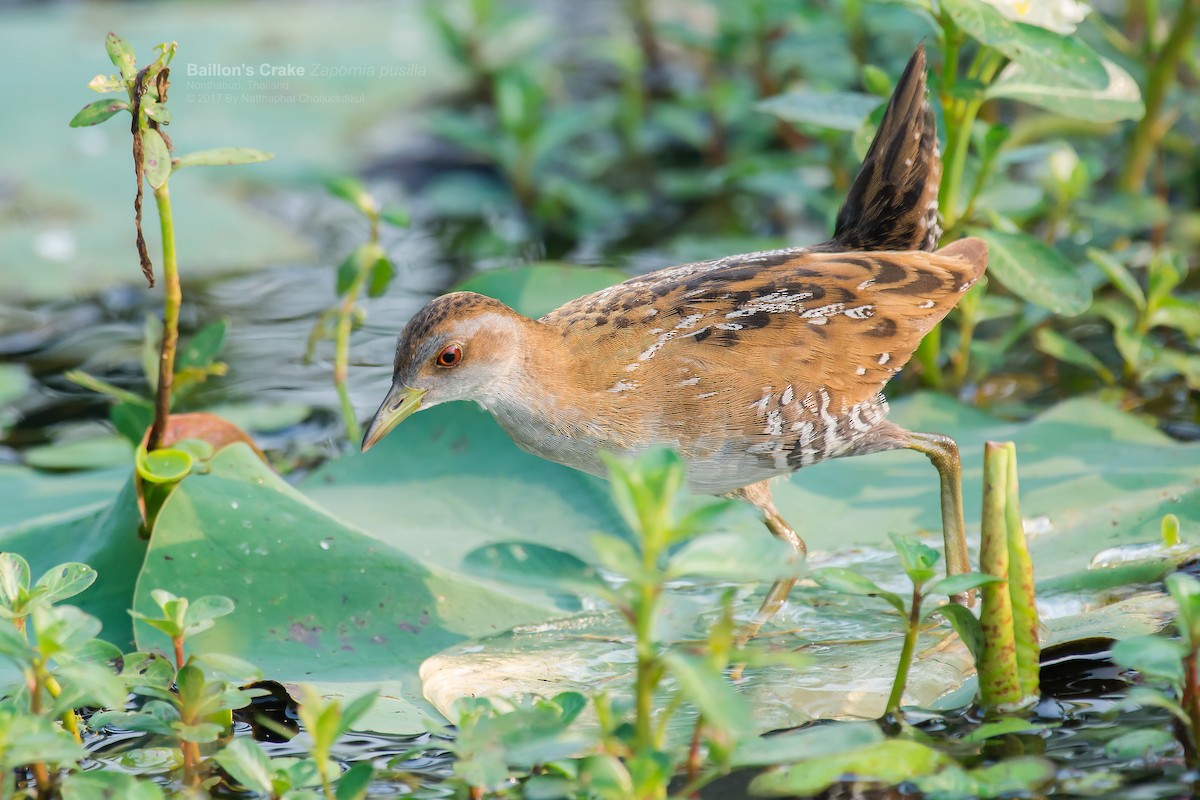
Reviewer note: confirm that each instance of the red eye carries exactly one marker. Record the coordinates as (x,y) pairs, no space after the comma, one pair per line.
(450,356)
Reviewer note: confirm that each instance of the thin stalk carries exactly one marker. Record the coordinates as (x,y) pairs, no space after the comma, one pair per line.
(172,300)
(1153,125)
(178,643)
(646,671)
(70,719)
(912,629)
(694,761)
(968,318)
(40,773)
(191,762)
(1191,705)
(958,137)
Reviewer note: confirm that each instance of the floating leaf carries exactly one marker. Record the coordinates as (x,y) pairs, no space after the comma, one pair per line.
(91,453)
(1036,272)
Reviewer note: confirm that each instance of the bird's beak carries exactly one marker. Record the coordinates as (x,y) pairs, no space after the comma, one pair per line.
(401,401)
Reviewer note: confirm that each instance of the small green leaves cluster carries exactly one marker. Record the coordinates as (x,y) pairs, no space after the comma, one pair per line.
(919,562)
(158,163)
(368,268)
(1169,667)
(629,756)
(65,667)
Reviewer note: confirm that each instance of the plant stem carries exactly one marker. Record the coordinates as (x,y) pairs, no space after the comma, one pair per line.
(1153,124)
(191,762)
(69,719)
(1191,705)
(912,628)
(1021,587)
(646,671)
(693,758)
(34,684)
(172,299)
(178,642)
(999,682)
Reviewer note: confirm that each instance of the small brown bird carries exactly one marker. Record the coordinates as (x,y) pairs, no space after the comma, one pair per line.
(750,366)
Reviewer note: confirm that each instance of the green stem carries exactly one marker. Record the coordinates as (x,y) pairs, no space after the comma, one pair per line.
(999,682)
(912,628)
(958,137)
(172,300)
(647,669)
(1153,125)
(341,345)
(968,318)
(33,683)
(1021,587)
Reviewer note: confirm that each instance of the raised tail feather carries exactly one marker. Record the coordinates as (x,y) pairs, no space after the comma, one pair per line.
(893,202)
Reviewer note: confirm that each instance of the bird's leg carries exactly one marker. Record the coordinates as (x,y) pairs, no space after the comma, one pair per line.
(759,496)
(943,452)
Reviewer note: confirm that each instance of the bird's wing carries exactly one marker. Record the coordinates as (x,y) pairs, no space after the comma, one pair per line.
(842,322)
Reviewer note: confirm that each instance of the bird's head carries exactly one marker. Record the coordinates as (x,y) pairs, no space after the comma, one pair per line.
(461,346)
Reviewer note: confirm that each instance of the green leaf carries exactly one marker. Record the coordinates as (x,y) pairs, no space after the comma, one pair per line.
(535,565)
(206,609)
(14,582)
(845,581)
(25,739)
(92,453)
(121,55)
(109,785)
(355,781)
(156,159)
(916,559)
(1119,275)
(707,688)
(222,157)
(966,625)
(65,580)
(162,466)
(1116,99)
(203,348)
(105,84)
(1153,656)
(1033,270)
(814,742)
(244,759)
(404,610)
(1001,727)
(1140,744)
(382,272)
(395,215)
(1185,591)
(97,111)
(353,192)
(1055,345)
(888,762)
(839,111)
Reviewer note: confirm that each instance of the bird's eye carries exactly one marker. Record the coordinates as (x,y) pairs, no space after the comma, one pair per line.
(450,356)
